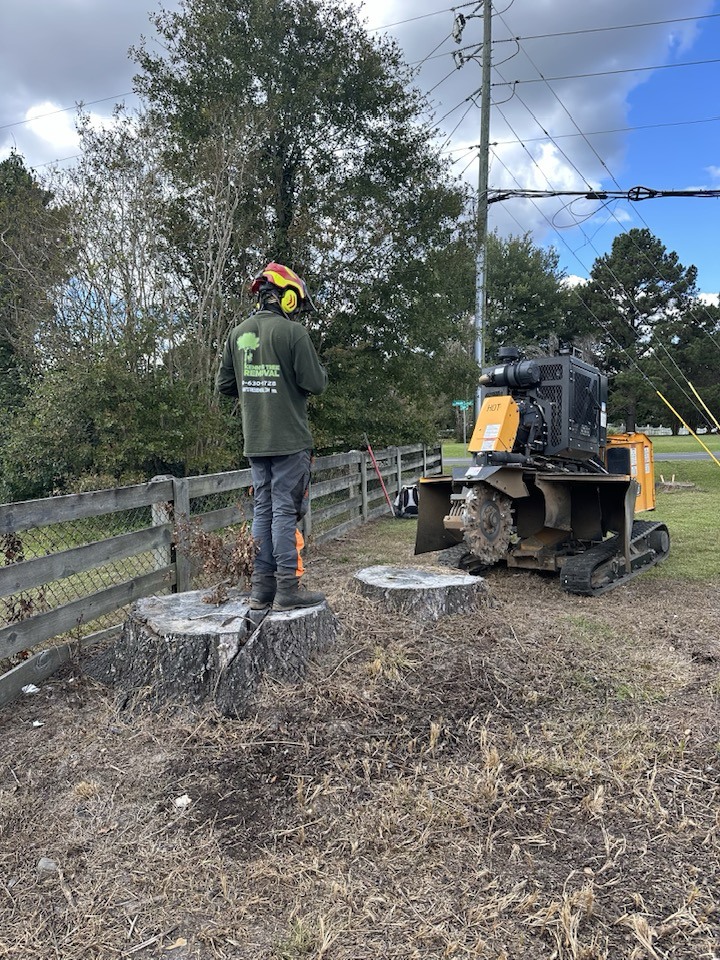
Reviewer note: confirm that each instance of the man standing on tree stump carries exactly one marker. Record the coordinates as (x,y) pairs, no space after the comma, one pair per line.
(270,363)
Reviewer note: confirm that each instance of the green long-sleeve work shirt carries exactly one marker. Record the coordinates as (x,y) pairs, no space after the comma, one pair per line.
(270,363)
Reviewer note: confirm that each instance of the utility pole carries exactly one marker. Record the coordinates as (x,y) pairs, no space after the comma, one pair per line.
(482,199)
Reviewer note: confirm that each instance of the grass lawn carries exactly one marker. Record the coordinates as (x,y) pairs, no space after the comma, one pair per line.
(693,519)
(686,444)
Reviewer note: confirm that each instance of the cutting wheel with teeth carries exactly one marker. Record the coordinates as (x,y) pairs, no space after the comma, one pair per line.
(488,523)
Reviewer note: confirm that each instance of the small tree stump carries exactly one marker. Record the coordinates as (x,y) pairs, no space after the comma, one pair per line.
(178,647)
(673,486)
(421,593)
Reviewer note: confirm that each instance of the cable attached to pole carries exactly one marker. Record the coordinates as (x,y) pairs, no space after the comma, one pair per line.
(706,408)
(689,429)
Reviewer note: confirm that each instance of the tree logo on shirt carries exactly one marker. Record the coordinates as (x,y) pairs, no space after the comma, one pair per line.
(248,342)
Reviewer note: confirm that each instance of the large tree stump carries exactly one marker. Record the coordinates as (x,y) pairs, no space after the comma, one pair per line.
(178,647)
(425,594)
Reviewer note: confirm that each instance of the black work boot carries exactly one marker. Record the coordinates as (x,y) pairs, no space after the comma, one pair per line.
(290,597)
(262,594)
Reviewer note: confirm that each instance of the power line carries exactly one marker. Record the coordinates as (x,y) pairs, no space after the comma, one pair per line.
(118,96)
(423,16)
(49,163)
(598,133)
(640,194)
(452,132)
(589,133)
(631,360)
(446,77)
(608,73)
(623,26)
(540,36)
(570,162)
(634,194)
(573,33)
(77,106)
(456,107)
(419,63)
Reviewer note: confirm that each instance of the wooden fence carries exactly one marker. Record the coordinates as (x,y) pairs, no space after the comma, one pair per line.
(70,565)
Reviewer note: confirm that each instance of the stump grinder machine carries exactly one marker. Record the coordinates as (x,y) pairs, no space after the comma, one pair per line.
(547,490)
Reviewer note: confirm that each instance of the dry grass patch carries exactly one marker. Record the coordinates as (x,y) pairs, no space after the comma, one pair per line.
(538,778)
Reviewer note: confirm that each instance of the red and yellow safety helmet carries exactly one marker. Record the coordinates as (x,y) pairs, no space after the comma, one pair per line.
(294,292)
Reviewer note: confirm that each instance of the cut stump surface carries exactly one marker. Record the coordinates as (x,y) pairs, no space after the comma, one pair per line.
(422,593)
(178,647)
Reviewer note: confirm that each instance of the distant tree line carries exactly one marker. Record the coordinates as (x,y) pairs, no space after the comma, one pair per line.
(281,130)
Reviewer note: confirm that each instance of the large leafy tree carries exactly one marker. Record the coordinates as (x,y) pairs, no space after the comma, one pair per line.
(687,372)
(34,259)
(529,305)
(636,292)
(325,107)
(340,179)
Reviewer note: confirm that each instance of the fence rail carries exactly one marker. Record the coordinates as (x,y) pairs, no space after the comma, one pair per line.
(70,565)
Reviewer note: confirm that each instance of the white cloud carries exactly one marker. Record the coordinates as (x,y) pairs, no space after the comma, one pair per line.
(50,131)
(52,125)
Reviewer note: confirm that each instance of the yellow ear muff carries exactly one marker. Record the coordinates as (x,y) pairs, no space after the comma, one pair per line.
(289,301)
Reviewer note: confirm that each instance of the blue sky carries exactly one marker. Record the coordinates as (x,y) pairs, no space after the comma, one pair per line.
(682,157)
(547,134)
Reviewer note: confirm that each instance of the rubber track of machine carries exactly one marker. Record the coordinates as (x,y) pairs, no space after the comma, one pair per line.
(601,568)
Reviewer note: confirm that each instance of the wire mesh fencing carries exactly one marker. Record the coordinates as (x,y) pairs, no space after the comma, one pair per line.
(56,538)
(71,566)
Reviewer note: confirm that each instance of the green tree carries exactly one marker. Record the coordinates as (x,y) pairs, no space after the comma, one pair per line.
(528,305)
(128,306)
(34,259)
(636,293)
(271,131)
(691,360)
(341,179)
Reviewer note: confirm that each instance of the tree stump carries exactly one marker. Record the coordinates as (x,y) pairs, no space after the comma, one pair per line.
(425,594)
(178,647)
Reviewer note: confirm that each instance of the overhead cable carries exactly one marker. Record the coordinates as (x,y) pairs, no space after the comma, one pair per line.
(610,73)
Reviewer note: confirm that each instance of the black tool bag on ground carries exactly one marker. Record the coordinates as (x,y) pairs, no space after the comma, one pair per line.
(406,502)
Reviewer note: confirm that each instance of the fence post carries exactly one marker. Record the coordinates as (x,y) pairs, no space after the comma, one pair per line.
(363,488)
(162,513)
(353,477)
(181,493)
(398,465)
(424,473)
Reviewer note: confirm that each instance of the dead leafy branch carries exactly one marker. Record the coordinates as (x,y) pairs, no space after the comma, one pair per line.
(224,559)
(21,605)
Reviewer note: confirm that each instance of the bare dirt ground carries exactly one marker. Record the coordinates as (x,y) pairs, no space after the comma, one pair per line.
(539,778)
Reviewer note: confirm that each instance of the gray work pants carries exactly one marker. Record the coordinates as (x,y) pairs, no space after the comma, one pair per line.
(280,499)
